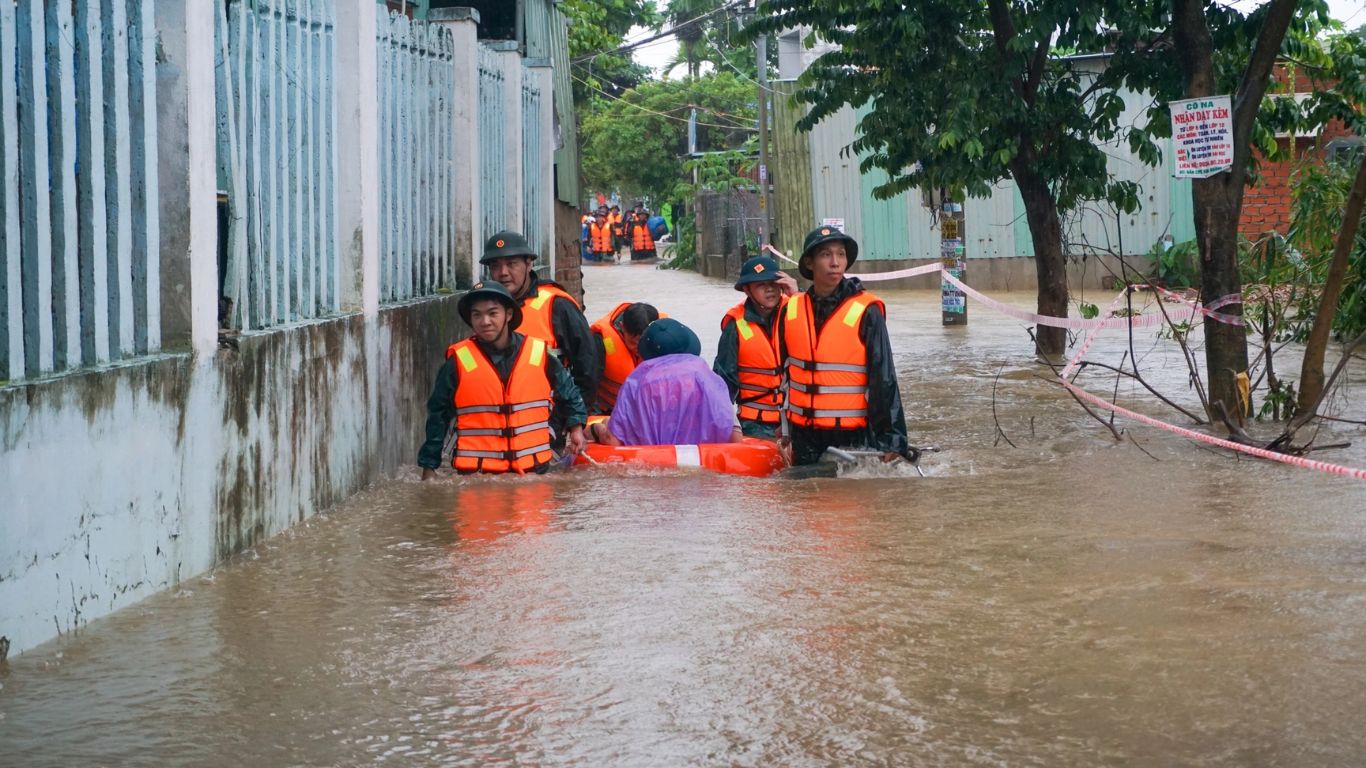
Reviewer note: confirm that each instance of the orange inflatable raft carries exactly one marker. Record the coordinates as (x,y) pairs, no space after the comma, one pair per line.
(750,457)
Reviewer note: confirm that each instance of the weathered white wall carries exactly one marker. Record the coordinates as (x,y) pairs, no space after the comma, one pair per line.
(122,482)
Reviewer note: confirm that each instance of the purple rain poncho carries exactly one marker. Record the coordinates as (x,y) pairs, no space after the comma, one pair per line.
(673,400)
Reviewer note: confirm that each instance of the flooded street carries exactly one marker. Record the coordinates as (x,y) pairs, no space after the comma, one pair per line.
(1070,600)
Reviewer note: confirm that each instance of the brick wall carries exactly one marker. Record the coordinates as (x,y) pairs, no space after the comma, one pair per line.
(1266,204)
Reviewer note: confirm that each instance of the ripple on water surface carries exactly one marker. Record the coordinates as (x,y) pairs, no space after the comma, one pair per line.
(1069,600)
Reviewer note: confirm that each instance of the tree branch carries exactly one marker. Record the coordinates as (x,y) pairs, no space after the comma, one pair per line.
(1255,76)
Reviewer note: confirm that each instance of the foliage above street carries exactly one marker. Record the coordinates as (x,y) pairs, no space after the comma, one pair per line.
(638,144)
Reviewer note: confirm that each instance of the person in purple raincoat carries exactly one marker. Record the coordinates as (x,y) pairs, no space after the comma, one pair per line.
(673,397)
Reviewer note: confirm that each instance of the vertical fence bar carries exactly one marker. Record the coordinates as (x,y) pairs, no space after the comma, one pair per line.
(250,291)
(428,162)
(61,126)
(12,343)
(304,152)
(296,141)
(225,86)
(91,183)
(405,254)
(117,183)
(386,152)
(331,241)
(34,187)
(314,166)
(241,203)
(279,132)
(263,205)
(145,186)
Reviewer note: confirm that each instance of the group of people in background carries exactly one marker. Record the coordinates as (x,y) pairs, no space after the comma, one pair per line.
(606,232)
(809,369)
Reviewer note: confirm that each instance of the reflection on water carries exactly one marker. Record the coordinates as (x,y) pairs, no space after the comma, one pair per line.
(1069,601)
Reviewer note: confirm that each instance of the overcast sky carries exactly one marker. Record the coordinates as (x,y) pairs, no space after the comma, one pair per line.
(655,55)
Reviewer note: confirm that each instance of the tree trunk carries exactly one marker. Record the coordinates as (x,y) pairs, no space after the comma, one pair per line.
(1311,370)
(1045,229)
(1218,200)
(1217,203)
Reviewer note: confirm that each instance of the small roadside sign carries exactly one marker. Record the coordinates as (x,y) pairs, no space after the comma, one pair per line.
(1202,134)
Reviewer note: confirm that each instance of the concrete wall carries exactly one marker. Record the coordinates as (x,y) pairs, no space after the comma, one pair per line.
(122,482)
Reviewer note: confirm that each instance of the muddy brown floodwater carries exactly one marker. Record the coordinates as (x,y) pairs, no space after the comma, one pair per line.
(1072,600)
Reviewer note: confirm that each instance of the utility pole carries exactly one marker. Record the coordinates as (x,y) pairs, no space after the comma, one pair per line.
(761,53)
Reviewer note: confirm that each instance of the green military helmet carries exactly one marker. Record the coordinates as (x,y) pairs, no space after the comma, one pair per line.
(757,269)
(490,290)
(821,235)
(505,244)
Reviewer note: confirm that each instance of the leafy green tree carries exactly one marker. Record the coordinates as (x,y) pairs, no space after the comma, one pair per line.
(1340,66)
(638,144)
(965,93)
(597,28)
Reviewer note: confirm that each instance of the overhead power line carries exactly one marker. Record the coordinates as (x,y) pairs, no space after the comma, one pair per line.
(627,47)
(664,115)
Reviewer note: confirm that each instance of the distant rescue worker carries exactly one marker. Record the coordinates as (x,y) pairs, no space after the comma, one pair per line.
(600,236)
(548,312)
(747,355)
(619,334)
(841,380)
(672,397)
(618,230)
(642,242)
(499,387)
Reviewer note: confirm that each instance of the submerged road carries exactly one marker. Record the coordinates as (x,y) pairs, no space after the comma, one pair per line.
(1068,600)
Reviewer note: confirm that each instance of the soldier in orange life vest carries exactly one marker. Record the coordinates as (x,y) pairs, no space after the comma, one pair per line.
(747,356)
(600,236)
(619,334)
(841,380)
(548,312)
(499,386)
(618,231)
(642,242)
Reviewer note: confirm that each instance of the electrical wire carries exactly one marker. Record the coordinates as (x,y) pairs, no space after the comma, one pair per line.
(624,48)
(664,115)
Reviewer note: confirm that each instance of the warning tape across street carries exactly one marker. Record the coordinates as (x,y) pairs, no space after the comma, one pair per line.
(1189,309)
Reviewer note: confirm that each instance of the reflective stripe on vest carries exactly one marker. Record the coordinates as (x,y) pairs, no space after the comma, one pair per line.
(827,372)
(502,427)
(536,311)
(760,396)
(618,362)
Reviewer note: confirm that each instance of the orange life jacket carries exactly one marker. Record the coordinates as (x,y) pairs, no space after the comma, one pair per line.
(501,427)
(640,237)
(600,235)
(827,373)
(618,228)
(536,312)
(759,397)
(618,361)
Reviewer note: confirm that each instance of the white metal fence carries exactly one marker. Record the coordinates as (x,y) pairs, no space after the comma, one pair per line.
(277,160)
(417,180)
(79,252)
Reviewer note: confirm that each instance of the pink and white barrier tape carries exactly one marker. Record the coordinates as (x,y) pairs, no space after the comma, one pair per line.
(1094,326)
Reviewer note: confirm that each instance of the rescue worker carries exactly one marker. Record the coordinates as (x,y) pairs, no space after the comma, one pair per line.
(548,312)
(672,397)
(747,355)
(618,332)
(499,386)
(600,236)
(837,357)
(642,242)
(618,223)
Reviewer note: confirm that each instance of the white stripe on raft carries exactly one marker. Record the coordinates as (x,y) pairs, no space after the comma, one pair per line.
(687,456)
